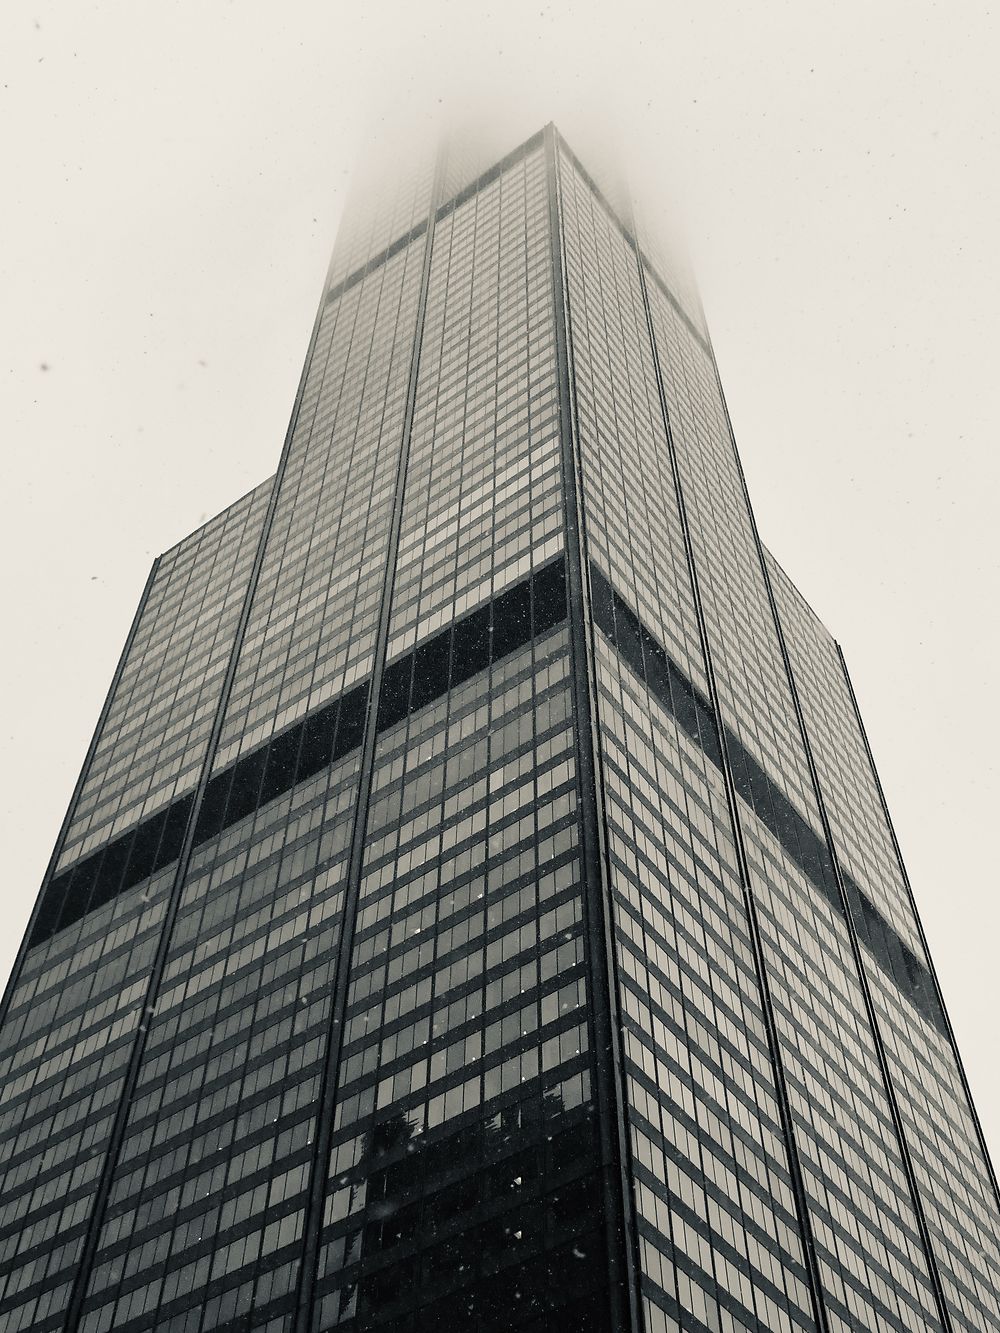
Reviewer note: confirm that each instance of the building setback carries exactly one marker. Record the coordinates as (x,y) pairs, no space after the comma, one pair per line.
(478,909)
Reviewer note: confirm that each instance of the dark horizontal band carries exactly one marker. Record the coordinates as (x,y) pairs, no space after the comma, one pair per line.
(376,261)
(804,847)
(467,646)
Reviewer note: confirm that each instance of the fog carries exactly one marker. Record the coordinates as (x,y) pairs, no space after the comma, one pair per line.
(173,177)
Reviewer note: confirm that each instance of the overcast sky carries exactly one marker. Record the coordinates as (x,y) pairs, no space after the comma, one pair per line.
(173,176)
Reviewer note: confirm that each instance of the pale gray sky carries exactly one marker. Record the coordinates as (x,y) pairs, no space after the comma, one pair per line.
(173,175)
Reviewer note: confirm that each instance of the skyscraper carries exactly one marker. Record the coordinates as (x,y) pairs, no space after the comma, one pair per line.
(478,909)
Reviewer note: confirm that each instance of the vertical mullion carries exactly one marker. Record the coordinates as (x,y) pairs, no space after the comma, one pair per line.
(852,933)
(980,1136)
(82,1278)
(616,1188)
(319,1168)
(746,883)
(50,869)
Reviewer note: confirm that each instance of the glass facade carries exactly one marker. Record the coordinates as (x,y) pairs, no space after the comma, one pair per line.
(478,909)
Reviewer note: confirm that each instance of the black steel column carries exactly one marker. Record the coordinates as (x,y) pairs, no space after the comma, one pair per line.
(852,932)
(746,883)
(319,1171)
(82,1279)
(605,1018)
(50,869)
(990,1171)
